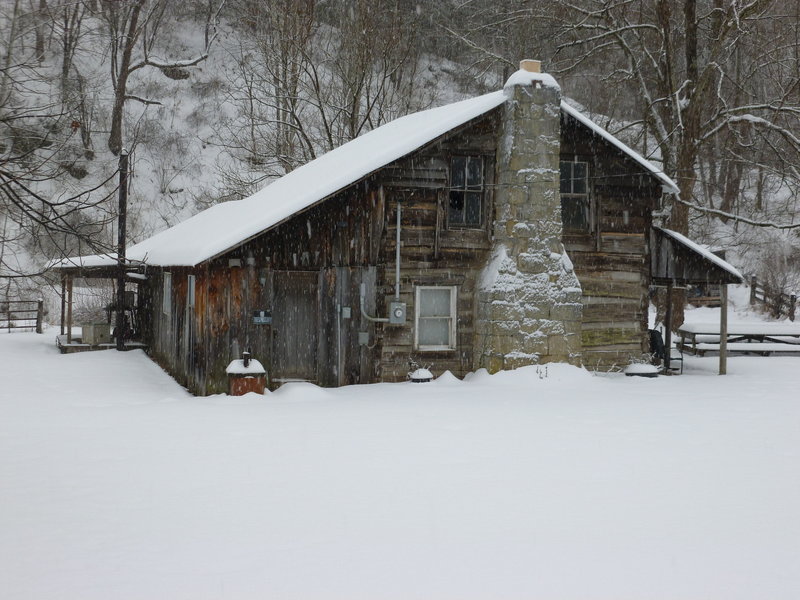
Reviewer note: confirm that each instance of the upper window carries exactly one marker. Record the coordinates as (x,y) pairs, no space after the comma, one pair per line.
(465,207)
(435,318)
(575,196)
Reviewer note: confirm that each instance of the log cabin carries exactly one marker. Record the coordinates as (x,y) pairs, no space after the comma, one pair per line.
(496,232)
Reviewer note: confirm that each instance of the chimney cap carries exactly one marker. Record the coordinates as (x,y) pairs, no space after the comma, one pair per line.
(530,65)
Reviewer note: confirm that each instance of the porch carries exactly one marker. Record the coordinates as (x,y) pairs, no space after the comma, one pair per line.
(87,335)
(76,344)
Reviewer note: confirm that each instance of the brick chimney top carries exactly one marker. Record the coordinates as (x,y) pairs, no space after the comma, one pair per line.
(530,74)
(531,66)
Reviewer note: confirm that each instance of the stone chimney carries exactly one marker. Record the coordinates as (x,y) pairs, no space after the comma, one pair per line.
(529,299)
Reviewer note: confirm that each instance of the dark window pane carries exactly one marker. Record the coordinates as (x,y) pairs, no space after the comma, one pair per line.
(455,214)
(475,172)
(472,210)
(457,172)
(575,213)
(566,177)
(579,178)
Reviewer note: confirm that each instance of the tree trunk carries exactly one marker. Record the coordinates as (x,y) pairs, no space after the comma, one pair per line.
(39,19)
(115,137)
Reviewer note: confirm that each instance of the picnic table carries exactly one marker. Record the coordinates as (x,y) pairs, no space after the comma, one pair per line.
(761,338)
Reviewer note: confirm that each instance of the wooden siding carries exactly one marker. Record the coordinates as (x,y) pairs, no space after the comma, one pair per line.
(431,252)
(611,260)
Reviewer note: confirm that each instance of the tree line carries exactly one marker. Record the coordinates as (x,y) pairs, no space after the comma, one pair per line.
(708,89)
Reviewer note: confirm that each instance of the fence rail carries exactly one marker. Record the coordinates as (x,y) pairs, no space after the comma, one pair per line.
(778,302)
(21,314)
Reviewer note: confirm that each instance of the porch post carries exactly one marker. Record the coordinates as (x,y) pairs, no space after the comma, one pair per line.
(121,233)
(668,327)
(63,299)
(723,331)
(69,309)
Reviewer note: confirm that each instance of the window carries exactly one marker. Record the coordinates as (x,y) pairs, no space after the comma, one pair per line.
(166,300)
(190,285)
(575,196)
(465,206)
(435,318)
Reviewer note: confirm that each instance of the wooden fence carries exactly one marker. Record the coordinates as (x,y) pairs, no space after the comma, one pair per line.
(21,314)
(779,303)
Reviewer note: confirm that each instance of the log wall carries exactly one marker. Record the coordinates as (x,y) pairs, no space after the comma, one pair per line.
(432,253)
(331,249)
(611,259)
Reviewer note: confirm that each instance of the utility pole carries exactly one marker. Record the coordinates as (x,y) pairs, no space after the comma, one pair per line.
(123,215)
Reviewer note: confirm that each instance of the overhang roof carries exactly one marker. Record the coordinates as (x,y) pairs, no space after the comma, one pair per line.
(222,227)
(676,259)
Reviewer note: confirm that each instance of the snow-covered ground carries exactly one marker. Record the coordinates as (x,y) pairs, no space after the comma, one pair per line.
(540,483)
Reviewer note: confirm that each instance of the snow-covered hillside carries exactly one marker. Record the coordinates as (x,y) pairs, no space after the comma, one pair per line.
(546,482)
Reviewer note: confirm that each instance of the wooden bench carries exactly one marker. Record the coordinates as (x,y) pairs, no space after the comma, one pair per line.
(710,301)
(750,338)
(762,348)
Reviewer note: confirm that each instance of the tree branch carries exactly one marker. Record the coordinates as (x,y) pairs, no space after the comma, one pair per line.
(142,100)
(735,218)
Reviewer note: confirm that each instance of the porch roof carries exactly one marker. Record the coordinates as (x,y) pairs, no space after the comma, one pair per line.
(678,260)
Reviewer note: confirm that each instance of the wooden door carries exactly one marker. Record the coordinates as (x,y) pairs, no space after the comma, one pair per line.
(295,318)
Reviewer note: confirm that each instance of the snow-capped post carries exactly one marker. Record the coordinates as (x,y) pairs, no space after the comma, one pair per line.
(123,214)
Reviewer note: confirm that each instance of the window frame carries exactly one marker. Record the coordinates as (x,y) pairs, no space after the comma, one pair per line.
(191,284)
(466,188)
(584,197)
(452,318)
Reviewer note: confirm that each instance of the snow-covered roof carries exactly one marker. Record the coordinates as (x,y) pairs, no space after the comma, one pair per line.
(705,253)
(668,185)
(227,225)
(91,261)
(224,226)
(96,261)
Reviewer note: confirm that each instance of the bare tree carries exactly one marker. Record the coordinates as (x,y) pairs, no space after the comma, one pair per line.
(133,28)
(40,219)
(311,76)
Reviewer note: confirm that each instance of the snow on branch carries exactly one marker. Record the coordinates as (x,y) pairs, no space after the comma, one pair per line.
(142,100)
(174,64)
(606,33)
(739,218)
(475,46)
(750,118)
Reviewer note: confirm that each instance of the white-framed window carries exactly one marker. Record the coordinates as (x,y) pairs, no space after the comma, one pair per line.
(166,297)
(435,317)
(190,285)
(575,196)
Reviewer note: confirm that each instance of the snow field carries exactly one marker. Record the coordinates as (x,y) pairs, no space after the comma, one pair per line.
(543,482)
